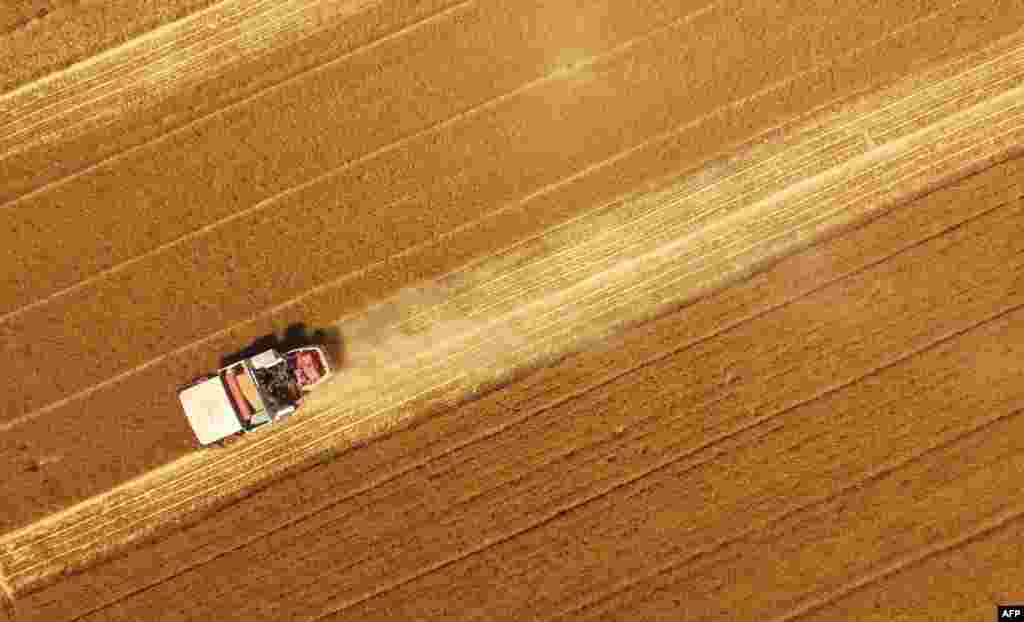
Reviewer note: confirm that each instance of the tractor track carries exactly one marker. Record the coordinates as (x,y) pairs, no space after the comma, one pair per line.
(614,327)
(638,277)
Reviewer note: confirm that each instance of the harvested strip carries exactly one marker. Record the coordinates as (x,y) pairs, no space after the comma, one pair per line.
(372,112)
(632,290)
(607,462)
(73,30)
(331,215)
(617,230)
(161,435)
(151,66)
(389,477)
(248,77)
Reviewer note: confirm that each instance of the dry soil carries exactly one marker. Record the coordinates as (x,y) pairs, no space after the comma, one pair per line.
(832,437)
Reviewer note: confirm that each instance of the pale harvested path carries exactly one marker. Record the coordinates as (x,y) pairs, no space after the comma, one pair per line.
(381,151)
(822,433)
(618,265)
(828,412)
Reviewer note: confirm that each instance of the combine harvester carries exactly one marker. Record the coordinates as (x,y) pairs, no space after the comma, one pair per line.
(243,396)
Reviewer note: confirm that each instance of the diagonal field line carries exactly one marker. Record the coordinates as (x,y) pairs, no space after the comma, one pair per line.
(25,418)
(566,509)
(562,510)
(552,76)
(26,564)
(192,31)
(599,296)
(362,49)
(64,128)
(575,394)
(874,475)
(987,527)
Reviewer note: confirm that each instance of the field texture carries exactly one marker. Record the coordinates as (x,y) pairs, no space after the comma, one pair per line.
(785,249)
